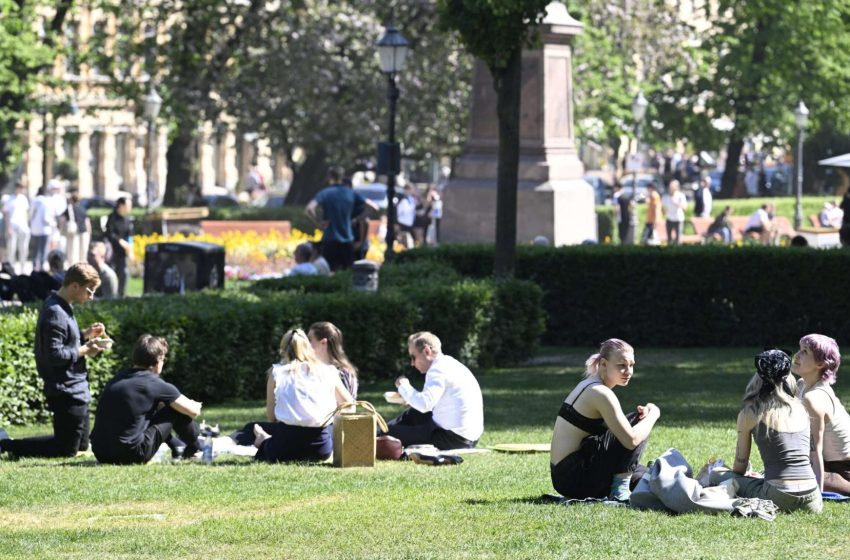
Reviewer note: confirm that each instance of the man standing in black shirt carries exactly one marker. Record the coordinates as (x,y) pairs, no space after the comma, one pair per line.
(60,357)
(138,410)
(119,228)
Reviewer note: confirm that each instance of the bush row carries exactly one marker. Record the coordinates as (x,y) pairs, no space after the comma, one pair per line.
(680,296)
(221,343)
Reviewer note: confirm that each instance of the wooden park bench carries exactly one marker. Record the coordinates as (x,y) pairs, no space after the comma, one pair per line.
(181,215)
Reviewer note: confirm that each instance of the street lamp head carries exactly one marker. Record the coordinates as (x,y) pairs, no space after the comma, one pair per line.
(153,103)
(639,106)
(801,113)
(392,48)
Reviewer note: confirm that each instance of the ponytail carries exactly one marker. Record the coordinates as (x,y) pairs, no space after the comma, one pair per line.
(591,366)
(606,350)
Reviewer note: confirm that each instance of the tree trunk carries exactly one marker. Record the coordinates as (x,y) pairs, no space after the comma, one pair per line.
(179,159)
(310,177)
(747,96)
(507,82)
(730,172)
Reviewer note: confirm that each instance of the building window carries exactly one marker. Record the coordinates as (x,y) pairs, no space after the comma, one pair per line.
(98,47)
(72,48)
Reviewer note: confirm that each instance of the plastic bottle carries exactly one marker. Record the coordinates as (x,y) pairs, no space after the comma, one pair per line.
(207,452)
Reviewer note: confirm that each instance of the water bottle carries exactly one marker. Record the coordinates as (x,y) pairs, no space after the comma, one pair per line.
(207,451)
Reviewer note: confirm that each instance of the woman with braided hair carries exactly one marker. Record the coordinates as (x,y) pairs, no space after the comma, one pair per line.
(777,421)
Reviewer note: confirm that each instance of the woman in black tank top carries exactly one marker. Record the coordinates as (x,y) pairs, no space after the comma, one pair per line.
(596,447)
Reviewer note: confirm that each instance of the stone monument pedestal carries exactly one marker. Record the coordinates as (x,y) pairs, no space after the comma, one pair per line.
(553,200)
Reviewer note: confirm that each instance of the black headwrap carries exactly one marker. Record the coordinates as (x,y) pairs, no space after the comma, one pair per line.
(773,366)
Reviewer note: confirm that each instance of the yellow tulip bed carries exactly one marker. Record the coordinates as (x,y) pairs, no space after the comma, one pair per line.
(249,254)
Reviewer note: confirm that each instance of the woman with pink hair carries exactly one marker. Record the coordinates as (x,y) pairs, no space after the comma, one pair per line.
(817,365)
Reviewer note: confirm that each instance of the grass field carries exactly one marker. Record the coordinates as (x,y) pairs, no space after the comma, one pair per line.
(487,507)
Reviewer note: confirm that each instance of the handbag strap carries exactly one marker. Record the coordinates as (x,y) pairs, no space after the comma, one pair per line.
(362,404)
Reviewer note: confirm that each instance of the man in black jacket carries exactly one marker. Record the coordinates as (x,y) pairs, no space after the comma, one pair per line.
(60,357)
(119,228)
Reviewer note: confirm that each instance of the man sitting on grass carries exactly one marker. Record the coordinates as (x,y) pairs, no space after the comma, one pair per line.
(449,411)
(138,411)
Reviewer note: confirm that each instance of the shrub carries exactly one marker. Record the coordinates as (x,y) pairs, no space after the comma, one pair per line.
(681,296)
(221,343)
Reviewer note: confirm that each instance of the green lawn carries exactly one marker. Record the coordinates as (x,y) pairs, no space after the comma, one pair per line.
(485,508)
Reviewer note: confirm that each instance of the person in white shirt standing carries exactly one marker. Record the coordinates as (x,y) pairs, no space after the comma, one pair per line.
(16,212)
(674,203)
(449,411)
(42,226)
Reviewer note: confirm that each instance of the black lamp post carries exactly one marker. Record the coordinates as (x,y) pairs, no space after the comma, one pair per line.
(392,48)
(153,103)
(44,110)
(801,114)
(639,106)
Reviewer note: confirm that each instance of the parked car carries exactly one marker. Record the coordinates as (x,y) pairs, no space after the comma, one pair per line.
(601,188)
(275,201)
(778,180)
(96,202)
(643,181)
(377,193)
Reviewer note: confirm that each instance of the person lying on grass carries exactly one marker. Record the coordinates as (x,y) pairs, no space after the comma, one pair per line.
(779,424)
(817,365)
(138,411)
(301,393)
(596,447)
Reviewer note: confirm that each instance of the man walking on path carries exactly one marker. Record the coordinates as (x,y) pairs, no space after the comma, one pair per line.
(340,205)
(60,357)
(119,228)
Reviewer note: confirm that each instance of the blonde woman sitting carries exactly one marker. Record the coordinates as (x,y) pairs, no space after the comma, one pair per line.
(300,395)
(596,447)
(779,424)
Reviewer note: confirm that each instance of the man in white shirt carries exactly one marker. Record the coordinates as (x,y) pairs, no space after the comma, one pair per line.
(16,213)
(674,203)
(449,411)
(42,225)
(761,223)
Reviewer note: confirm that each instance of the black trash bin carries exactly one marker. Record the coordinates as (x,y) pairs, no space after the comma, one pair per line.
(178,267)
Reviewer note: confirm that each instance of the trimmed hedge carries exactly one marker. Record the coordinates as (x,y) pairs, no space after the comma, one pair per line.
(221,343)
(680,296)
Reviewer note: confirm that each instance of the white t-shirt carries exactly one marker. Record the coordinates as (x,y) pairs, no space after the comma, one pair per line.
(304,396)
(454,396)
(406,211)
(758,219)
(43,219)
(674,206)
(17,208)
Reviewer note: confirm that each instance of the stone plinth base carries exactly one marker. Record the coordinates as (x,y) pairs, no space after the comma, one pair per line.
(562,211)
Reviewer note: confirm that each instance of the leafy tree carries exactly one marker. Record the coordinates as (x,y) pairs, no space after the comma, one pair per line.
(186,47)
(313,82)
(620,51)
(496,32)
(25,61)
(304,75)
(767,55)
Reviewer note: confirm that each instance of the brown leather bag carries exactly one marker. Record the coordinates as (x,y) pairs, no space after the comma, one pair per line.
(388,448)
